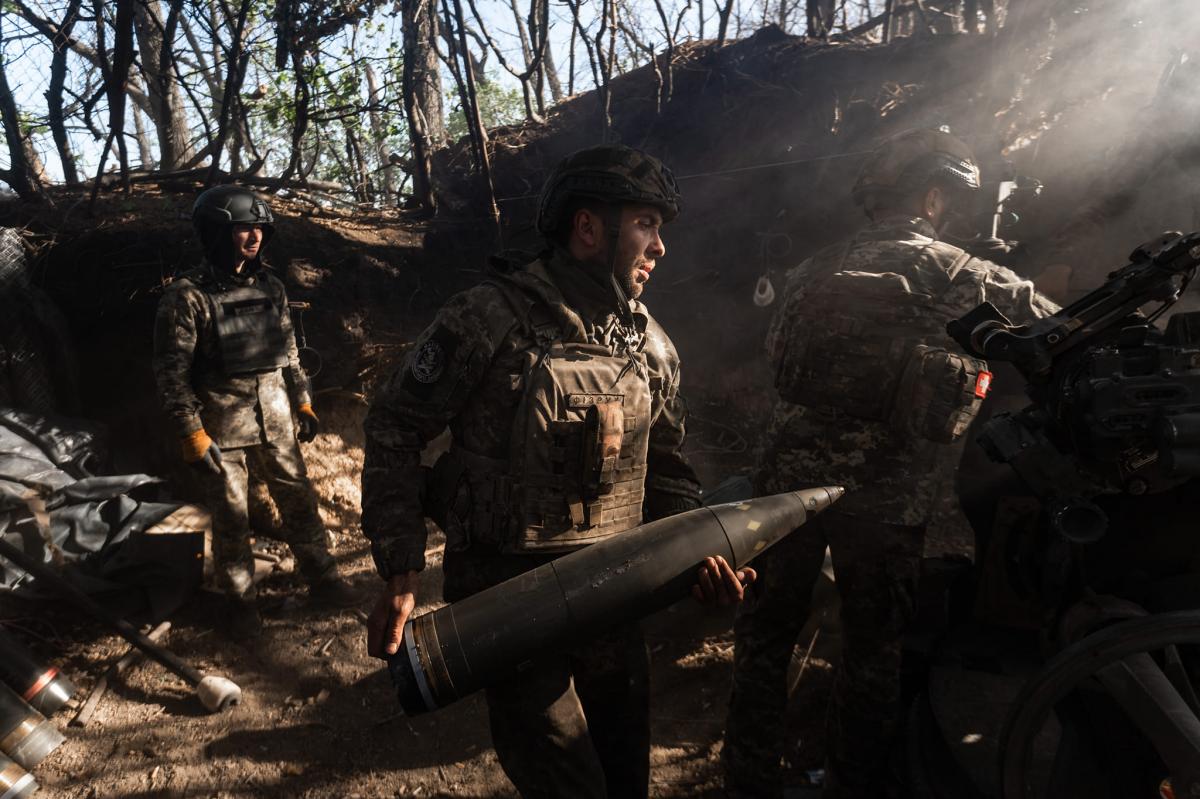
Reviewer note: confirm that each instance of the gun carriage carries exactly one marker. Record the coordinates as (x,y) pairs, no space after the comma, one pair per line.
(1086,592)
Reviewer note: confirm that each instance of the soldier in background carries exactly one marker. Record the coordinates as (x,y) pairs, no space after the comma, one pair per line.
(229,378)
(872,390)
(561,393)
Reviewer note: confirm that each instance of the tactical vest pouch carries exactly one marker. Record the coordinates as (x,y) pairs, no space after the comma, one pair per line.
(850,352)
(579,448)
(468,498)
(940,394)
(249,331)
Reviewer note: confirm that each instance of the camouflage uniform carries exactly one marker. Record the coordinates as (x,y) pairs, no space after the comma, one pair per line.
(576,724)
(248,416)
(875,533)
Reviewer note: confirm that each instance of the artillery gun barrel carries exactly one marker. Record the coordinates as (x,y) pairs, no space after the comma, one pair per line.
(456,650)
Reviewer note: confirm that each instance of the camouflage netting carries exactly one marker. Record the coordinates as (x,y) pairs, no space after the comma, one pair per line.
(36,357)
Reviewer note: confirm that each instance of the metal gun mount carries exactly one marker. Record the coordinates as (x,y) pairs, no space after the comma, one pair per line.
(1103,560)
(1158,271)
(1116,400)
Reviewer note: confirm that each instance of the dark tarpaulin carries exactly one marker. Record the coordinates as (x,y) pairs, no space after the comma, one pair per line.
(94,526)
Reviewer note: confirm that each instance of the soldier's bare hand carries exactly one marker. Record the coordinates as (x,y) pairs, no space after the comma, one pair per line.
(717,584)
(385,625)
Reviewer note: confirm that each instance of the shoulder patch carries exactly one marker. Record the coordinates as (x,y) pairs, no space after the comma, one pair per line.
(429,362)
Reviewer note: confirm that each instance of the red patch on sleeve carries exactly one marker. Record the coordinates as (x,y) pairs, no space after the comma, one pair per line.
(982,384)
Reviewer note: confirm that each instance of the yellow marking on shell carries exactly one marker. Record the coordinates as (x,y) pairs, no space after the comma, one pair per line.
(753,525)
(743,506)
(760,546)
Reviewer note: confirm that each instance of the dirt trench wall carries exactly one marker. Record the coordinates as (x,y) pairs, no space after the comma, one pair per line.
(366,281)
(766,136)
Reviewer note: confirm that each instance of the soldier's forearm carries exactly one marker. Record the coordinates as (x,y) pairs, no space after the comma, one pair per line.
(180,402)
(392,514)
(398,553)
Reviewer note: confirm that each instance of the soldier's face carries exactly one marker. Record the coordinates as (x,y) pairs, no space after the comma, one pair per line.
(639,246)
(247,240)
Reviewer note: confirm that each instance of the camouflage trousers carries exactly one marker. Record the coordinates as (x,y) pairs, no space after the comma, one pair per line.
(876,567)
(280,465)
(569,725)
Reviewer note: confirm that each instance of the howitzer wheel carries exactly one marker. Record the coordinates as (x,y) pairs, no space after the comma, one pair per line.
(1159,702)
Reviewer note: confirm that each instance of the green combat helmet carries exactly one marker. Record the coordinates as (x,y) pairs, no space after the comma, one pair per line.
(610,173)
(216,209)
(910,161)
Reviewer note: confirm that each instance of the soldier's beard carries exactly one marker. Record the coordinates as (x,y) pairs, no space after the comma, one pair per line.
(627,279)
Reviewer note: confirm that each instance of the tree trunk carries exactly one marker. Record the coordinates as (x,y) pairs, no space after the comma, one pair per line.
(19,175)
(556,90)
(145,154)
(99,59)
(422,94)
(378,132)
(235,73)
(116,75)
(820,17)
(533,103)
(470,104)
(54,95)
(166,102)
(723,20)
(420,22)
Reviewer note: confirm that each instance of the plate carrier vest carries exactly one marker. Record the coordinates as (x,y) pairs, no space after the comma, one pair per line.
(249,327)
(577,457)
(875,348)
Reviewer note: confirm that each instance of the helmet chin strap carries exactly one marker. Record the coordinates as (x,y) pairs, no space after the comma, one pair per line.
(612,224)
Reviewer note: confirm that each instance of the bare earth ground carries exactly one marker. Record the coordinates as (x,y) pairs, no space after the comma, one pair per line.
(319,718)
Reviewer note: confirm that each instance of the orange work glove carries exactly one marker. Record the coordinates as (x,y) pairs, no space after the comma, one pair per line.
(308,421)
(198,449)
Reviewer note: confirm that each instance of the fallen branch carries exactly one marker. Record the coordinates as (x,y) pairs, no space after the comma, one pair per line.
(245,178)
(130,658)
(875,22)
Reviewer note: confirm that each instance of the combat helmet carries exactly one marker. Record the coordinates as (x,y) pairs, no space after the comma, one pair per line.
(911,160)
(216,209)
(610,173)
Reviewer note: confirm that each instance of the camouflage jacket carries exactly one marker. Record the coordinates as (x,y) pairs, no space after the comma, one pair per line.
(474,389)
(238,411)
(887,476)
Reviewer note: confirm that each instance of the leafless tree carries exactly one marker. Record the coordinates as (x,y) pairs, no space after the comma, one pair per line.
(155,38)
(422,94)
(820,16)
(20,173)
(54,93)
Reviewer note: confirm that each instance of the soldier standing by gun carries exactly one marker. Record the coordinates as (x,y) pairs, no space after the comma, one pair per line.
(229,378)
(872,389)
(562,396)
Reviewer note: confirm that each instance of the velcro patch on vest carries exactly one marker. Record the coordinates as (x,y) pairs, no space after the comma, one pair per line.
(246,307)
(429,363)
(588,400)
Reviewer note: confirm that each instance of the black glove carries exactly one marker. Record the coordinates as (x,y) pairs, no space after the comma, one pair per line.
(211,459)
(309,423)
